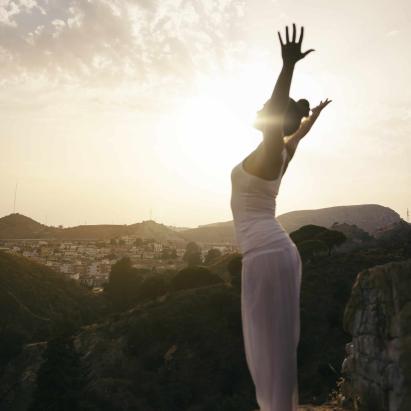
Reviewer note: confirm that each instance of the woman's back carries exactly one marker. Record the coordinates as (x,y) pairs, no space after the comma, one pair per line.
(253,204)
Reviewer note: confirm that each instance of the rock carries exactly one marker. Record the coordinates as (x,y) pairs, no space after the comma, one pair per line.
(19,379)
(377,368)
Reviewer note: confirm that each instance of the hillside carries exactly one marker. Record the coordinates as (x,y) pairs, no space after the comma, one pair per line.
(35,301)
(145,229)
(372,218)
(15,226)
(211,233)
(184,350)
(151,229)
(368,217)
(20,226)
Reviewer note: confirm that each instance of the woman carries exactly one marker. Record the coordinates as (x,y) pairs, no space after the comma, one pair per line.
(271,271)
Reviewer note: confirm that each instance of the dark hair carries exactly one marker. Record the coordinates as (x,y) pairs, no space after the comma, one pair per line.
(296,110)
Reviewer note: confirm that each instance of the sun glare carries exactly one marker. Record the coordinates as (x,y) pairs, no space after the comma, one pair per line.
(207,133)
(207,126)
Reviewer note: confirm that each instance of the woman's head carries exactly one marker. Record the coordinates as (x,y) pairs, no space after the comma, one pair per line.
(296,110)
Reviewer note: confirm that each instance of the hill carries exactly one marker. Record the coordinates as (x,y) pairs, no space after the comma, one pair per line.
(368,217)
(371,218)
(145,229)
(184,349)
(217,233)
(35,301)
(17,226)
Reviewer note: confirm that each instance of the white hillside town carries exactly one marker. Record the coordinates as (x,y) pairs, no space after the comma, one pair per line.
(89,262)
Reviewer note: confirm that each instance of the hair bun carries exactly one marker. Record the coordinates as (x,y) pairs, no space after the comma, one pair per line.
(303,107)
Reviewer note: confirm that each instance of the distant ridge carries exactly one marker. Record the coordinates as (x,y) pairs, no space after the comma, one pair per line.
(368,217)
(372,218)
(18,226)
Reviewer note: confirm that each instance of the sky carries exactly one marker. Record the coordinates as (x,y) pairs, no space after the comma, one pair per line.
(119,111)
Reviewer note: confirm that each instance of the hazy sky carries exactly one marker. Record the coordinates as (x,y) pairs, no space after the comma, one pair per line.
(110,109)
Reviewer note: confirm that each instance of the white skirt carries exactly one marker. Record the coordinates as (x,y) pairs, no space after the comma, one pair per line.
(270,309)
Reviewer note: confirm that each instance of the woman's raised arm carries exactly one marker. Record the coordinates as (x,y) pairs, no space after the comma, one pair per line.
(292,141)
(277,106)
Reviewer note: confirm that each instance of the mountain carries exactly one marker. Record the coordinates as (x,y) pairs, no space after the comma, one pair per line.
(145,229)
(371,218)
(15,226)
(368,217)
(19,226)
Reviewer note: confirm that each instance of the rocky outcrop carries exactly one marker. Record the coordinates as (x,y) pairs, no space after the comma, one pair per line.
(19,379)
(377,369)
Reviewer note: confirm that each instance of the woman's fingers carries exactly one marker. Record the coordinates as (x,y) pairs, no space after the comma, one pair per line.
(300,40)
(294,35)
(279,37)
(307,52)
(322,105)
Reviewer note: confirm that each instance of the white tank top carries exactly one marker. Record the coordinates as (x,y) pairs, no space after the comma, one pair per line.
(253,201)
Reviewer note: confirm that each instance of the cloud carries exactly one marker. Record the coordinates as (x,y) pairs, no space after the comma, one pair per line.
(104,43)
(10,9)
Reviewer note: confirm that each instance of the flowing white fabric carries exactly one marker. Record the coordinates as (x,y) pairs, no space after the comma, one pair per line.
(270,293)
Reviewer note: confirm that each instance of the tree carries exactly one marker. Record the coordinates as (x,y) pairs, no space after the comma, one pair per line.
(234,267)
(212,255)
(313,239)
(307,232)
(194,277)
(192,255)
(309,248)
(152,287)
(123,284)
(332,238)
(59,380)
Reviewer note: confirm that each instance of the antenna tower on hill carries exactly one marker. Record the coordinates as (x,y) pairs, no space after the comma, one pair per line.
(15,195)
(408,215)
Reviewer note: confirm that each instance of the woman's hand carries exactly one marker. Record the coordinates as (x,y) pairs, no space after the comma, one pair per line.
(291,50)
(306,125)
(317,110)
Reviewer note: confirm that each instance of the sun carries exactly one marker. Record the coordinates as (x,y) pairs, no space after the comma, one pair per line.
(209,131)
(209,127)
